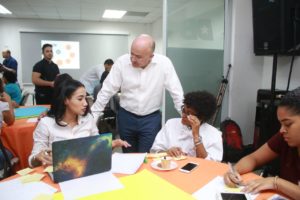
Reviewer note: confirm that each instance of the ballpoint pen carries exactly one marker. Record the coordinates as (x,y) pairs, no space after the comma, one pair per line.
(234,172)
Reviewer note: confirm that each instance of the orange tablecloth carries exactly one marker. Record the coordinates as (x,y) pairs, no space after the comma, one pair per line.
(190,183)
(18,139)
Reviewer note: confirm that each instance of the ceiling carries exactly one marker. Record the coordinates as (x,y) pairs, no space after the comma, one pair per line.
(141,11)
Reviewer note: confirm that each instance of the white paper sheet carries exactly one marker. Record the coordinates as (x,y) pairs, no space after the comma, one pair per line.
(89,185)
(32,120)
(127,163)
(14,189)
(210,190)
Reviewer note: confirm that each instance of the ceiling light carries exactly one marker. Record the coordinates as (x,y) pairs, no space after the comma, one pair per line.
(114,14)
(4,10)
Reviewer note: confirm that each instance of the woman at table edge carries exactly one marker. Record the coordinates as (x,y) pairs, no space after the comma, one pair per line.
(285,145)
(6,115)
(69,117)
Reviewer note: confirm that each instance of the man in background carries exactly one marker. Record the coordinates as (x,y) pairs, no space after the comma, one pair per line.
(9,63)
(43,74)
(107,66)
(92,77)
(142,76)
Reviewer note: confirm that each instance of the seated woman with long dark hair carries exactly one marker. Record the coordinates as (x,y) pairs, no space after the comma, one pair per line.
(284,145)
(69,117)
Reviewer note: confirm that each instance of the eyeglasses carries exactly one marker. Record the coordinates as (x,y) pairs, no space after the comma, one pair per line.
(184,111)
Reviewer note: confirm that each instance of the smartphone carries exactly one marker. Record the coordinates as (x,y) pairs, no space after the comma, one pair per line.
(188,167)
(232,196)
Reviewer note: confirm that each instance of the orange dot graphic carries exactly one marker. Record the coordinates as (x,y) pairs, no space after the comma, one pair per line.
(68,61)
(72,54)
(59,62)
(68,47)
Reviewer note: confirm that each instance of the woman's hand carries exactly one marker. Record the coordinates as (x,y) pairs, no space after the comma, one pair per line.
(175,152)
(120,143)
(194,123)
(232,179)
(257,185)
(44,157)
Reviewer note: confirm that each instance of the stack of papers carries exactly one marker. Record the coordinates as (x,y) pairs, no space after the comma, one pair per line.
(14,189)
(127,163)
(210,190)
(88,185)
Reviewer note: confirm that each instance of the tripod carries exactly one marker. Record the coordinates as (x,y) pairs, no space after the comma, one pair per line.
(220,95)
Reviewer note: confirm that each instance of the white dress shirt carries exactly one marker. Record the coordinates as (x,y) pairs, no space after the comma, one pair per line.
(91,78)
(47,132)
(141,89)
(175,134)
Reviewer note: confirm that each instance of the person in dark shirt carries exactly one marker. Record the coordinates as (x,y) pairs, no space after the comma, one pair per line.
(9,63)
(285,145)
(43,75)
(107,66)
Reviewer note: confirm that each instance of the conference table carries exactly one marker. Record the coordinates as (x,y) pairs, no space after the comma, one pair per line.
(188,182)
(18,138)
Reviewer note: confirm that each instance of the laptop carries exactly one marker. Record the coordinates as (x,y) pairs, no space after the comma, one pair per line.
(81,157)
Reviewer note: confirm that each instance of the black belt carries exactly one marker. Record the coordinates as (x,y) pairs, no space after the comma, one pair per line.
(155,112)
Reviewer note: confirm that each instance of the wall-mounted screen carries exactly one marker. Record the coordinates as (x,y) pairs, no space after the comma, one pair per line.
(74,53)
(65,53)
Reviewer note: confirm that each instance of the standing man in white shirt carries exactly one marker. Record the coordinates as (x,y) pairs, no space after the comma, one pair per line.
(142,76)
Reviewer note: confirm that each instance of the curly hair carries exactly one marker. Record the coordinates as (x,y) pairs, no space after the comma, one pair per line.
(58,106)
(292,101)
(202,102)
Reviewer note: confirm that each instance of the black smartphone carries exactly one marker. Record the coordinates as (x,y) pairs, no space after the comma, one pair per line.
(232,196)
(188,167)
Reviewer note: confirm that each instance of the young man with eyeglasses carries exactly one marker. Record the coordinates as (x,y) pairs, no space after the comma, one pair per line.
(191,135)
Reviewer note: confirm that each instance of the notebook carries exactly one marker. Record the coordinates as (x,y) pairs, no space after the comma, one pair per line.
(81,157)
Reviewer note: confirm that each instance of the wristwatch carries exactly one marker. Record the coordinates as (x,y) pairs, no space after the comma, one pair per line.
(199,141)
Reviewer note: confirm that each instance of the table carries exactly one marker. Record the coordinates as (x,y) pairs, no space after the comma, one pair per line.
(190,183)
(18,138)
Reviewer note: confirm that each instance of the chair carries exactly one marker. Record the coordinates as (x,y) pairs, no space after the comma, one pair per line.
(8,162)
(25,95)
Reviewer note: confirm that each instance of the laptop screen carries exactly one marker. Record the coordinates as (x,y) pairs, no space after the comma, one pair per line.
(81,157)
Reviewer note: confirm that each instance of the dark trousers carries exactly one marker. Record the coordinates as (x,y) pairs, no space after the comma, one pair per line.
(138,131)
(43,98)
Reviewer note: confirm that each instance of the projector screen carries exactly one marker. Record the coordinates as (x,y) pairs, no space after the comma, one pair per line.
(89,50)
(65,53)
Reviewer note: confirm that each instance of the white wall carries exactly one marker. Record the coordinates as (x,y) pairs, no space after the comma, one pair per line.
(246,72)
(10,31)
(250,73)
(283,69)
(157,35)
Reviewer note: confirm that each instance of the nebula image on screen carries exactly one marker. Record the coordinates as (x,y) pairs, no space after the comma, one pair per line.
(81,157)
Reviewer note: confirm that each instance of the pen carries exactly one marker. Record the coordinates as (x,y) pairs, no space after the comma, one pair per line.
(231,168)
(234,172)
